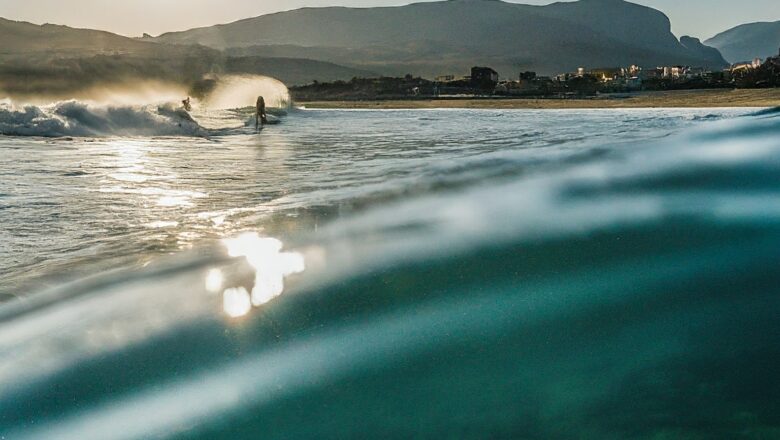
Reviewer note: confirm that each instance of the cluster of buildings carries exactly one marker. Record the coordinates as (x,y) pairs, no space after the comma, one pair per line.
(757,73)
(485,80)
(582,82)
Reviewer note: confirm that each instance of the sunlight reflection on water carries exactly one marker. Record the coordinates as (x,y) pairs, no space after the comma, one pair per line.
(236,302)
(214,280)
(270,264)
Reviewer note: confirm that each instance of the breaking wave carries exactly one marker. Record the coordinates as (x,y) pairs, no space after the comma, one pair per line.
(76,118)
(768,111)
(143,110)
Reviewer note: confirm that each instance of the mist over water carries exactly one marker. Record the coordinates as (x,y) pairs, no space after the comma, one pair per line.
(439,273)
(238,91)
(128,93)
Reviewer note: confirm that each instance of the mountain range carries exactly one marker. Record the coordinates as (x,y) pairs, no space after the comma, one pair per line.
(56,61)
(450,36)
(748,41)
(325,44)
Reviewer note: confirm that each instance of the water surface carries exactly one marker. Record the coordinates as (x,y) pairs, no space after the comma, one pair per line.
(428,274)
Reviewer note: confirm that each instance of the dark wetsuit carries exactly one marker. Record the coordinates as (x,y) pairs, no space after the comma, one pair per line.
(260,116)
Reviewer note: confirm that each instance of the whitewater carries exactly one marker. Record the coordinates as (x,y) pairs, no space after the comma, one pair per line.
(407,273)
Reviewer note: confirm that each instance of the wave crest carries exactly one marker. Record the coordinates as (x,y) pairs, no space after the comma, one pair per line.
(76,118)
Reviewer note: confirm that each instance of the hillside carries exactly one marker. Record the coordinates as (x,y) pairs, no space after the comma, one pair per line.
(748,41)
(24,38)
(450,36)
(292,71)
(62,62)
(26,42)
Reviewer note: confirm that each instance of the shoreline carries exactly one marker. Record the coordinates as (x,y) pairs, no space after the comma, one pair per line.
(707,98)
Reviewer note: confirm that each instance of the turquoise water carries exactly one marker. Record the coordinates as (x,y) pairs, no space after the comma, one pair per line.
(424,274)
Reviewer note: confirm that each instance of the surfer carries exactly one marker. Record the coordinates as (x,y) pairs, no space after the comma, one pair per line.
(187,104)
(260,116)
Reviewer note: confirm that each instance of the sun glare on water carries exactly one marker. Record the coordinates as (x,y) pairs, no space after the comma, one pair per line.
(236,302)
(271,267)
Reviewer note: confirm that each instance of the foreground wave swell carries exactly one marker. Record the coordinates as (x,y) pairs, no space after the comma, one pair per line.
(624,293)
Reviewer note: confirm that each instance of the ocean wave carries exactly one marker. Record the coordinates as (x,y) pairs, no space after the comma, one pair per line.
(75,118)
(768,111)
(632,294)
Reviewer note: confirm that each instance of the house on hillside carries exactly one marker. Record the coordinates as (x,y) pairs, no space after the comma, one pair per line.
(483,77)
(698,72)
(445,78)
(608,73)
(527,76)
(774,61)
(674,72)
(741,67)
(652,74)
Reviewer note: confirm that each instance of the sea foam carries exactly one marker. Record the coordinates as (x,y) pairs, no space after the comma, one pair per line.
(76,118)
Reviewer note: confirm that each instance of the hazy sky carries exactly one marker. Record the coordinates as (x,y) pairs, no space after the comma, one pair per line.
(700,18)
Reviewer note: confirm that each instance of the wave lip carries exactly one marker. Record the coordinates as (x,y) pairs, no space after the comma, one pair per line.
(76,118)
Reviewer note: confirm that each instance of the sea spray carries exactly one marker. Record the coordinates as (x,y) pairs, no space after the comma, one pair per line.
(240,91)
(129,93)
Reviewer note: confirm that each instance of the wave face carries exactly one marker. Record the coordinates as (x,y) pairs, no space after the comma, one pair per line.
(624,290)
(74,118)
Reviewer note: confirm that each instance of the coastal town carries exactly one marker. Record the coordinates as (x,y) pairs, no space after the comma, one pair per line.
(582,83)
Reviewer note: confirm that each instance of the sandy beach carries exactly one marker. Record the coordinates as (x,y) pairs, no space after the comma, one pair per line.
(670,99)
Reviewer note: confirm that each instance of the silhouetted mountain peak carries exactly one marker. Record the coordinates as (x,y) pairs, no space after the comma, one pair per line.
(748,41)
(695,46)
